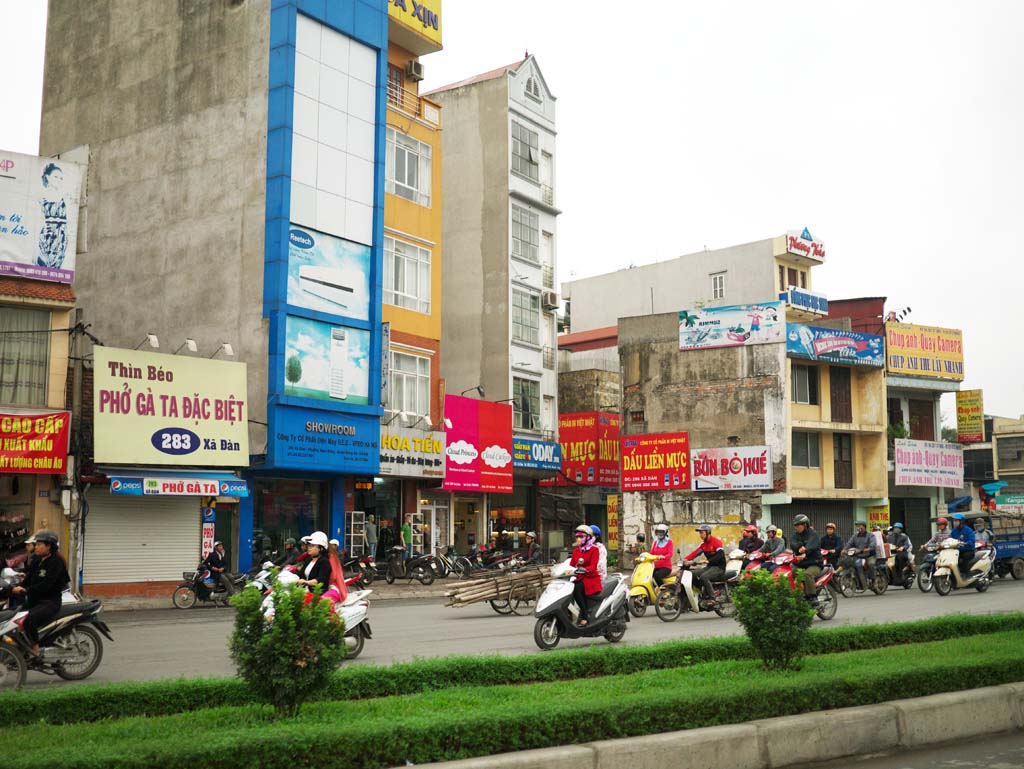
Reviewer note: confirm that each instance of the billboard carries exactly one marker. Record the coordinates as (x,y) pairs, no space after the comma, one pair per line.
(328,274)
(411,453)
(927,351)
(323,441)
(655,462)
(531,454)
(927,463)
(736,468)
(834,345)
(156,409)
(802,299)
(590,449)
(478,445)
(970,416)
(34,442)
(801,242)
(325,361)
(39,199)
(735,326)
(878,515)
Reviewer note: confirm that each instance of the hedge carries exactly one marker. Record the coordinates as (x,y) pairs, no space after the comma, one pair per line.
(472,721)
(153,698)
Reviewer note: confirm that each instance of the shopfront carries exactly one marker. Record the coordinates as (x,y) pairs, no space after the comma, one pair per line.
(287,508)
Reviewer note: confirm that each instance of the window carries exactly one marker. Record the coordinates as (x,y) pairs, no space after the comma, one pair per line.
(525,234)
(410,385)
(806,450)
(406,275)
(24,355)
(525,152)
(718,285)
(533,88)
(803,278)
(396,84)
(525,316)
(805,385)
(782,278)
(894,406)
(408,168)
(525,404)
(791,275)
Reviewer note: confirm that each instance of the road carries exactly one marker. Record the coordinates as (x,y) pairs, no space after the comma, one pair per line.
(1004,751)
(168,643)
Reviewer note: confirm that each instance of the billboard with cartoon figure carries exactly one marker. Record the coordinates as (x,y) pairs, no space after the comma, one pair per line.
(735,326)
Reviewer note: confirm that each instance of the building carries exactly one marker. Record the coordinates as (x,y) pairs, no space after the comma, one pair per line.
(500,262)
(236,199)
(1008,454)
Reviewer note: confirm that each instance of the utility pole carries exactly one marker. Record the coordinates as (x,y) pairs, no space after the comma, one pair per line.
(73,506)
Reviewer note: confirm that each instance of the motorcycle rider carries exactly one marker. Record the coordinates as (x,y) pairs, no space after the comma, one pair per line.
(774,545)
(863,543)
(900,544)
(831,545)
(965,534)
(45,579)
(585,557)
(602,564)
(714,552)
(751,543)
(982,534)
(316,570)
(288,556)
(940,536)
(806,546)
(662,547)
(217,564)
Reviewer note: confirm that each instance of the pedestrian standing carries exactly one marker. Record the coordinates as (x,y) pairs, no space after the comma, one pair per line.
(406,536)
(371,536)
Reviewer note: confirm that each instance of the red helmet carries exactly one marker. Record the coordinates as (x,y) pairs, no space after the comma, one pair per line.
(752,529)
(942,522)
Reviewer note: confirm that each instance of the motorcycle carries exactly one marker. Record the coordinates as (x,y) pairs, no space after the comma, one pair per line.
(201,585)
(905,577)
(364,568)
(642,587)
(927,568)
(947,576)
(670,602)
(557,612)
(417,567)
(825,599)
(70,645)
(846,576)
(755,561)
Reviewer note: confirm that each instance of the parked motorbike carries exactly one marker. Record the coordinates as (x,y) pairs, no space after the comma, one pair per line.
(417,567)
(904,577)
(947,576)
(70,645)
(825,599)
(684,595)
(363,568)
(927,568)
(642,586)
(846,576)
(201,585)
(557,612)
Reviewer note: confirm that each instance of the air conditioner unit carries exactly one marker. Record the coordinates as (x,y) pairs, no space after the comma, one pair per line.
(549,299)
(414,70)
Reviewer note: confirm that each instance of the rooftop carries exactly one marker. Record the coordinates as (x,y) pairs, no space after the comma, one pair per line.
(493,74)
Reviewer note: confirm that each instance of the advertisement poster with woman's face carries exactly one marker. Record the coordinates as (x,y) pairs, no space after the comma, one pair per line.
(328,274)
(326,362)
(39,200)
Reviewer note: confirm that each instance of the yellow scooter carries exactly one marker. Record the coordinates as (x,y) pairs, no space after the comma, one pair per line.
(642,587)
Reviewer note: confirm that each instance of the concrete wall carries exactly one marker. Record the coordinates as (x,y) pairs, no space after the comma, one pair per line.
(588,390)
(475,320)
(171,99)
(673,285)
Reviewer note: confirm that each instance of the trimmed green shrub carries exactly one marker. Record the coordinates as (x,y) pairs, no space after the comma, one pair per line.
(284,660)
(460,722)
(775,616)
(94,702)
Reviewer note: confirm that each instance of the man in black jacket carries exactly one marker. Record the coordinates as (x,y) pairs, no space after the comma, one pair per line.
(217,564)
(806,545)
(45,579)
(532,552)
(290,554)
(832,543)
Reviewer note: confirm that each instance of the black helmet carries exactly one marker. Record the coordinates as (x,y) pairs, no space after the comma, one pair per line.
(47,536)
(801,519)
(704,527)
(861,523)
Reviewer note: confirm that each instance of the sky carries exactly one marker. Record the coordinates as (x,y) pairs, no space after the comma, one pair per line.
(893,131)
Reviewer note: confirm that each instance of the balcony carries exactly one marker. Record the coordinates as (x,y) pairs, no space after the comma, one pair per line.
(407,102)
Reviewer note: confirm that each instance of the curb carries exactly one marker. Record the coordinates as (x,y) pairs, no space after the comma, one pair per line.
(789,740)
(148,603)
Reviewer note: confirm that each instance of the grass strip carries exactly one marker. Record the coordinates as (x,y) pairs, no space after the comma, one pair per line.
(94,702)
(472,721)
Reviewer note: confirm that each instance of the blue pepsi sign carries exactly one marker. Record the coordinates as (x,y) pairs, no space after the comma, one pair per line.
(531,454)
(835,345)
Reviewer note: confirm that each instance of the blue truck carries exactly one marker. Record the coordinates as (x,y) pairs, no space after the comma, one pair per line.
(1008,528)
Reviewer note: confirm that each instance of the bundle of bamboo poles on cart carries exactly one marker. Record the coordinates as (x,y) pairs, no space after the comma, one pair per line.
(507,592)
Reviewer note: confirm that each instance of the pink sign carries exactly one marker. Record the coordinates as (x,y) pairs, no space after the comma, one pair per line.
(208,534)
(478,445)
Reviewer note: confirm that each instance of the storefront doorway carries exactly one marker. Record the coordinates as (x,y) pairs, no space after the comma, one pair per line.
(468,519)
(283,508)
(434,515)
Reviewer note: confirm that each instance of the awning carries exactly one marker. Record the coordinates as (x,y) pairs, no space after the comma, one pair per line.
(952,506)
(994,487)
(142,482)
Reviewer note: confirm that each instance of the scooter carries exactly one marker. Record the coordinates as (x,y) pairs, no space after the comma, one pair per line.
(846,576)
(642,586)
(927,568)
(557,612)
(904,577)
(755,561)
(734,566)
(70,645)
(825,600)
(200,585)
(417,567)
(947,576)
(363,568)
(684,595)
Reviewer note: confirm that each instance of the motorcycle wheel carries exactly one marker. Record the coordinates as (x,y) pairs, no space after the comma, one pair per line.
(184,597)
(358,642)
(615,632)
(546,633)
(879,584)
(908,579)
(1017,568)
(501,606)
(638,605)
(668,605)
(424,574)
(943,584)
(924,580)
(846,585)
(827,603)
(389,577)
(85,639)
(981,585)
(724,607)
(369,575)
(12,668)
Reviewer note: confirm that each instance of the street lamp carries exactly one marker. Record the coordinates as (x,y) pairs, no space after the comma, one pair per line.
(226,348)
(190,344)
(153,342)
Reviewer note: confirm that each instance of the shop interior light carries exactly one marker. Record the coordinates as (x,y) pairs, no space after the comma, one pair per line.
(153,342)
(190,344)
(226,348)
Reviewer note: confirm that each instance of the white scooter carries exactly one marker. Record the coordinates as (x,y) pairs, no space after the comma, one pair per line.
(557,613)
(947,577)
(353,610)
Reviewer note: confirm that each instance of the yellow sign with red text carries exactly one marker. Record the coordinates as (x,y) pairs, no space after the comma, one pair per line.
(925,351)
(970,417)
(423,18)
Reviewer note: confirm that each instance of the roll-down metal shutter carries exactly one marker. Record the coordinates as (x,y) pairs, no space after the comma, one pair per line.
(139,539)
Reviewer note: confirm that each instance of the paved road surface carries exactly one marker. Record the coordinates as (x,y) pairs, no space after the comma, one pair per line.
(169,643)
(1001,752)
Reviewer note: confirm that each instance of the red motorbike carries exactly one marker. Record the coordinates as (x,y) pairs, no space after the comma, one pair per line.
(755,561)
(825,600)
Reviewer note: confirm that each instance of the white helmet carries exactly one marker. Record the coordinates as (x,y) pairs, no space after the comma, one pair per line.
(336,543)
(661,528)
(318,538)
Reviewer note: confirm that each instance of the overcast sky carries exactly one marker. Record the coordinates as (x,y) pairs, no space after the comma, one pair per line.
(893,131)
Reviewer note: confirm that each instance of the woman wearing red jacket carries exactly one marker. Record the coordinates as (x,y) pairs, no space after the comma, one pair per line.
(662,546)
(585,556)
